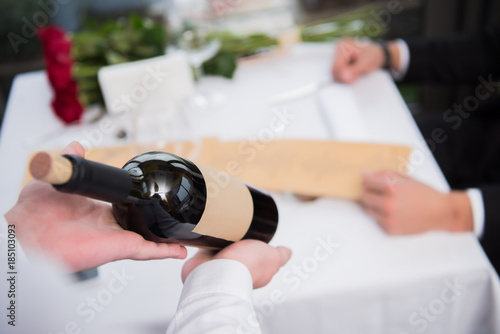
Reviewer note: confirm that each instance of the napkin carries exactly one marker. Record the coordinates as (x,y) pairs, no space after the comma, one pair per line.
(157,83)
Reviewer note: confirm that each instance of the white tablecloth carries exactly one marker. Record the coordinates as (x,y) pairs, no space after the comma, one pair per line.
(345,275)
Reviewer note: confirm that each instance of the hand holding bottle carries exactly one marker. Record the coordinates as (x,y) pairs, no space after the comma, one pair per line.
(166,198)
(261,259)
(79,232)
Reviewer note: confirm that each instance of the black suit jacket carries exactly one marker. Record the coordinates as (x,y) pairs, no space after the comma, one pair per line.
(458,59)
(464,59)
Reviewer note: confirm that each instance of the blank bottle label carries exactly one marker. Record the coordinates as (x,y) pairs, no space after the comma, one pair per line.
(229,207)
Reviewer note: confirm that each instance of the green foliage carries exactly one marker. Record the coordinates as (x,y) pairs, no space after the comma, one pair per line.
(245,45)
(224,64)
(119,41)
(234,47)
(135,38)
(356,23)
(109,43)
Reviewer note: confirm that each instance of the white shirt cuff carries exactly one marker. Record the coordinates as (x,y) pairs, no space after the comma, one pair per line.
(404,60)
(216,298)
(219,276)
(476,202)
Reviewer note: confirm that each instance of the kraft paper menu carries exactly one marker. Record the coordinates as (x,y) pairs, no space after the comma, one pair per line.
(303,167)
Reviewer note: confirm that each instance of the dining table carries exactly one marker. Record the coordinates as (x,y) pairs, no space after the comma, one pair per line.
(346,275)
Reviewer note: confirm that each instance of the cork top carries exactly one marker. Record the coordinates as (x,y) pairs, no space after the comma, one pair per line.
(56,170)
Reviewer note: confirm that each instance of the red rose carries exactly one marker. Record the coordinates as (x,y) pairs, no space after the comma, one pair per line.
(56,49)
(67,107)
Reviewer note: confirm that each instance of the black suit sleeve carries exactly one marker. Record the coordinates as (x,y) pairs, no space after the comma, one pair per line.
(458,59)
(464,59)
(491,233)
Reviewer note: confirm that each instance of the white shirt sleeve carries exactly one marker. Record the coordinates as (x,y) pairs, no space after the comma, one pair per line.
(404,60)
(216,298)
(476,203)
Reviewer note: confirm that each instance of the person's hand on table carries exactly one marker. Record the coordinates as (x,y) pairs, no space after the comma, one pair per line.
(355,58)
(79,232)
(402,205)
(261,259)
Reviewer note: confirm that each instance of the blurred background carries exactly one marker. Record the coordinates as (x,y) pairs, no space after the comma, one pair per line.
(21,51)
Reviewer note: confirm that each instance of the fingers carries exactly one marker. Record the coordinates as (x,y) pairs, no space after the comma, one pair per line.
(152,250)
(376,215)
(378,188)
(374,182)
(347,75)
(339,64)
(349,71)
(354,58)
(356,69)
(379,197)
(344,58)
(383,221)
(374,201)
(377,206)
(285,254)
(381,181)
(74,148)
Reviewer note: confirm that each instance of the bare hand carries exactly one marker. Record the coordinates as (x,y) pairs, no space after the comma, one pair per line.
(355,58)
(80,232)
(261,259)
(402,205)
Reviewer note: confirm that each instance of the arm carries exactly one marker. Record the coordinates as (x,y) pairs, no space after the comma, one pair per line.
(217,297)
(217,293)
(460,58)
(489,240)
(77,231)
(402,205)
(355,58)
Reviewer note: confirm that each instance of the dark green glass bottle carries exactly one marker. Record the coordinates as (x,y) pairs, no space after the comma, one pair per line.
(166,198)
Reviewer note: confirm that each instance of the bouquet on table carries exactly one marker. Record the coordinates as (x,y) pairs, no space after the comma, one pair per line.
(73,60)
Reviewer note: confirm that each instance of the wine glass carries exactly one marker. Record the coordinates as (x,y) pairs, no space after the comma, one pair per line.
(199,45)
(193,28)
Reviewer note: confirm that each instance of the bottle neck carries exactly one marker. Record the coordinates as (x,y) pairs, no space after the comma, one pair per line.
(96,180)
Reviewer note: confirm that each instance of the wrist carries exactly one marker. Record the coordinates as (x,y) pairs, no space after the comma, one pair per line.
(395,57)
(460,212)
(391,57)
(219,276)
(386,54)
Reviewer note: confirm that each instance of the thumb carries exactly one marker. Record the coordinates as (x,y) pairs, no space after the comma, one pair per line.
(353,71)
(285,254)
(348,76)
(363,64)
(74,148)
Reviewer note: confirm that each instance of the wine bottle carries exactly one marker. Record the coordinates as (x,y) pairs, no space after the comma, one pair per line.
(166,198)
